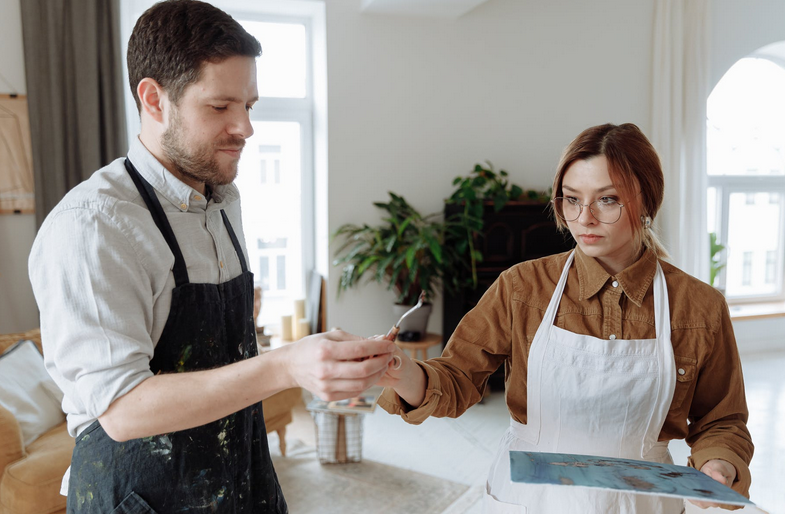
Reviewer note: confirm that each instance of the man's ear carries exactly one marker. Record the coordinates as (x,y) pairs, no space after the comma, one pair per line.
(152,97)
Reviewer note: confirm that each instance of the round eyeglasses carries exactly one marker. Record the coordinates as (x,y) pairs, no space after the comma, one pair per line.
(605,210)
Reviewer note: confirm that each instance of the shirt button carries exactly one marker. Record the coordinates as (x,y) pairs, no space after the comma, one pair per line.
(221,263)
(681,371)
(612,336)
(615,284)
(197,197)
(183,206)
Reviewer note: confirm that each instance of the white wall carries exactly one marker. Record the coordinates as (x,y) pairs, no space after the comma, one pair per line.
(414,102)
(18,310)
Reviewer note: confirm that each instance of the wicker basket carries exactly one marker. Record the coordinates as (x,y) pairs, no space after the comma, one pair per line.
(339,437)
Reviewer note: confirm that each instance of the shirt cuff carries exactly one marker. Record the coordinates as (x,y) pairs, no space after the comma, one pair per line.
(743,478)
(394,404)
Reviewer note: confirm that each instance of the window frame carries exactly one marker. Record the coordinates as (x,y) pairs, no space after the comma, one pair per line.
(725,185)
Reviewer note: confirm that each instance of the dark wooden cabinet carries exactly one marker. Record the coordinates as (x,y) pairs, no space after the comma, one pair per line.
(519,232)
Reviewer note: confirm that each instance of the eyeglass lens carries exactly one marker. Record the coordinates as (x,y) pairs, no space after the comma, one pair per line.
(603,211)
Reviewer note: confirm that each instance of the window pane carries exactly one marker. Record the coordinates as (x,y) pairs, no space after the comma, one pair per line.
(746,120)
(281,70)
(755,245)
(711,204)
(272,214)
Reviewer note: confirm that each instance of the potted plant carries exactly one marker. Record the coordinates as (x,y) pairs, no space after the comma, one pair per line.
(406,251)
(411,252)
(464,222)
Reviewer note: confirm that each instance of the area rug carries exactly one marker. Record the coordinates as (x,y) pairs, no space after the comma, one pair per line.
(363,487)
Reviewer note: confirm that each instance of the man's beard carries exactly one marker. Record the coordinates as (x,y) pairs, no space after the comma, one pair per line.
(198,164)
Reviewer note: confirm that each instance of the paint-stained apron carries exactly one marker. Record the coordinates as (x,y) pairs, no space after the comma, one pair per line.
(223,466)
(590,396)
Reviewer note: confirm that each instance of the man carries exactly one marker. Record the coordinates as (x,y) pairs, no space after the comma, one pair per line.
(146,300)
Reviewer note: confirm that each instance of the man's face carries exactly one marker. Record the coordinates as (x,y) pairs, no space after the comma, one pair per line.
(207,129)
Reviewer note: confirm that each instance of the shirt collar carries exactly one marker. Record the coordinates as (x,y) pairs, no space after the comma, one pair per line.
(170,187)
(634,280)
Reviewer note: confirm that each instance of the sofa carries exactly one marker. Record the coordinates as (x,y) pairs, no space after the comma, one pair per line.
(30,477)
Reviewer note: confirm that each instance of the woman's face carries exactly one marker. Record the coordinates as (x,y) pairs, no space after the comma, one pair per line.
(612,244)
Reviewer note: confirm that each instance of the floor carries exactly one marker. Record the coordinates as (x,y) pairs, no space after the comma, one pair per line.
(461,449)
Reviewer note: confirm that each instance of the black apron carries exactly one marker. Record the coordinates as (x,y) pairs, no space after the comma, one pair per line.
(223,466)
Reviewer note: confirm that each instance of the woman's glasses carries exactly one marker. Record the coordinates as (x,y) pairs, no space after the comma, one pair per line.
(605,210)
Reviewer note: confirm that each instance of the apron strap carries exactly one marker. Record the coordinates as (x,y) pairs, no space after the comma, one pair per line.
(235,242)
(161,221)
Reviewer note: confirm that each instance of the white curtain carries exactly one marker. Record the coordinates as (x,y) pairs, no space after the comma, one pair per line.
(680,91)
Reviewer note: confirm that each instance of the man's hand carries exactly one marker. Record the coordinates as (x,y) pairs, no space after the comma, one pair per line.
(336,365)
(723,472)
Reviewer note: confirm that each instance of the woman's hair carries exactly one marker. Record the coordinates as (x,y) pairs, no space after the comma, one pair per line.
(632,163)
(174,38)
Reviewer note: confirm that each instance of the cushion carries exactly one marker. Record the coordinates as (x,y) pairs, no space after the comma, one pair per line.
(32,484)
(28,392)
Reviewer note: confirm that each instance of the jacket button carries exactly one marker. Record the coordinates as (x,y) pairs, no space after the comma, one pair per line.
(612,336)
(615,284)
(681,371)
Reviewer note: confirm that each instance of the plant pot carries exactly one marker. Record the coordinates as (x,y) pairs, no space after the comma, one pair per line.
(413,327)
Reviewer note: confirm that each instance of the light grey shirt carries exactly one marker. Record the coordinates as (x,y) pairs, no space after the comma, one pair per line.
(102,276)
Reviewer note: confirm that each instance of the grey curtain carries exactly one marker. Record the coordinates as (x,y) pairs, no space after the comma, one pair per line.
(75,92)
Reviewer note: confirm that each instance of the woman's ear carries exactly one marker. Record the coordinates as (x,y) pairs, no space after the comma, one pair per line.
(152,97)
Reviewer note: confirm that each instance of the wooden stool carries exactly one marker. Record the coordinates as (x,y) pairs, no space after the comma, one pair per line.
(422,345)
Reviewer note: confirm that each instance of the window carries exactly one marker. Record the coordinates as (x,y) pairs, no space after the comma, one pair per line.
(276,172)
(746,167)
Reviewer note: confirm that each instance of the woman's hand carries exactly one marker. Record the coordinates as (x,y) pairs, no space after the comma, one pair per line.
(723,472)
(404,376)
(396,370)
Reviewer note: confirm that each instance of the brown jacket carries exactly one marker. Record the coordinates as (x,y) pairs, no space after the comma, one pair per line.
(709,408)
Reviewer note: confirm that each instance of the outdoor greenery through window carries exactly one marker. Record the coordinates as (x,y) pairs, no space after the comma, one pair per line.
(746,167)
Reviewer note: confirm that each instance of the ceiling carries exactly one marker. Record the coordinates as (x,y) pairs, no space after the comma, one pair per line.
(425,8)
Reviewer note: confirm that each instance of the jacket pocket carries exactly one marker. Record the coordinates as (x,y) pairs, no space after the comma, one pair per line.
(133,504)
(686,371)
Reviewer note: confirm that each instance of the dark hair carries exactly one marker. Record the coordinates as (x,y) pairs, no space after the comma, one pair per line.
(174,38)
(632,163)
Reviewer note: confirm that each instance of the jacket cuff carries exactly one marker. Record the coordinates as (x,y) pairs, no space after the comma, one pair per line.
(394,404)
(743,478)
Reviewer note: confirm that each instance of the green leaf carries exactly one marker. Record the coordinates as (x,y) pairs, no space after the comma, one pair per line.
(403,226)
(366,263)
(435,247)
(410,254)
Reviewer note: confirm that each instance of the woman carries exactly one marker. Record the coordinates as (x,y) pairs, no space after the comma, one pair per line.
(608,349)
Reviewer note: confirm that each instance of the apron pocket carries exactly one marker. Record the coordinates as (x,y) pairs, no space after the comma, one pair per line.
(491,505)
(133,504)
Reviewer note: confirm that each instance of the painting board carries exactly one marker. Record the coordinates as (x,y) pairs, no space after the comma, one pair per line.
(626,475)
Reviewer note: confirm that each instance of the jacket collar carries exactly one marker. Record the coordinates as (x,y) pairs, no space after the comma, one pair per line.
(634,280)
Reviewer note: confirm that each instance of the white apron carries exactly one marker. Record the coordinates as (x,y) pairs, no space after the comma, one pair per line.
(590,396)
